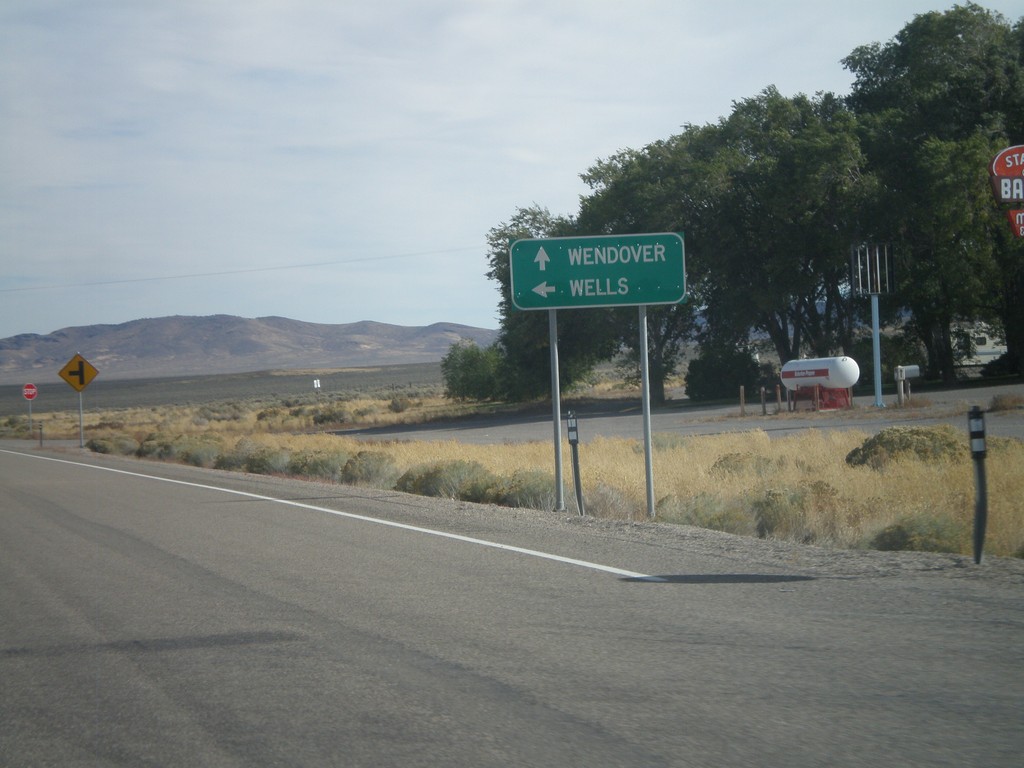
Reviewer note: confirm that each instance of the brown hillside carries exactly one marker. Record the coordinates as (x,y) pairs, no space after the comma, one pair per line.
(178,345)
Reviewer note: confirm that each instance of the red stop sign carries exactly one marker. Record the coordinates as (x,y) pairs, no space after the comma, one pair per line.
(29,391)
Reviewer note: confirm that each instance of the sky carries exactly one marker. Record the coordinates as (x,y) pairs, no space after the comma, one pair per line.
(334,161)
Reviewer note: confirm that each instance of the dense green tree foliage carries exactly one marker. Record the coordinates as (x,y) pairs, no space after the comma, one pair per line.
(585,337)
(646,191)
(786,216)
(766,198)
(471,372)
(720,372)
(772,196)
(934,106)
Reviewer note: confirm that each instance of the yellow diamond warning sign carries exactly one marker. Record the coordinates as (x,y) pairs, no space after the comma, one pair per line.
(78,372)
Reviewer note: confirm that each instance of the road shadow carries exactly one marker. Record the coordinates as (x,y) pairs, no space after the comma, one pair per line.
(718,578)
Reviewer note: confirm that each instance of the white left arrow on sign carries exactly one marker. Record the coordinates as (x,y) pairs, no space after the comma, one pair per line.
(544,289)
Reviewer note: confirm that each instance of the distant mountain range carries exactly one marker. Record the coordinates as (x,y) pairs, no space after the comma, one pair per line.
(172,346)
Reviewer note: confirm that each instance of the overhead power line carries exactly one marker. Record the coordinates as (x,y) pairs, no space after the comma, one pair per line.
(222,273)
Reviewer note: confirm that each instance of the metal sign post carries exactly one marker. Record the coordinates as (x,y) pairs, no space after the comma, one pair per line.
(645,386)
(598,271)
(876,351)
(78,372)
(872,272)
(556,408)
(29,392)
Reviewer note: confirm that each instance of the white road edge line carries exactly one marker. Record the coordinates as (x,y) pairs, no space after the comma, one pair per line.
(363,518)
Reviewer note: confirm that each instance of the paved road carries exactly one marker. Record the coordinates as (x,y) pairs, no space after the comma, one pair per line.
(623,418)
(165,615)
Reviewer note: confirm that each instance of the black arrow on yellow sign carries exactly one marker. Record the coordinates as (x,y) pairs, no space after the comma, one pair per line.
(78,372)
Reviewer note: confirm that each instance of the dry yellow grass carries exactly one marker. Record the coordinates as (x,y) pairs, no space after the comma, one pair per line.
(798,487)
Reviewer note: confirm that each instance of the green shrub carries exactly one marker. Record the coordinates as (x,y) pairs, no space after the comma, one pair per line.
(231,461)
(708,511)
(155,446)
(931,443)
(230,411)
(237,458)
(606,502)
(16,426)
(317,464)
(532,489)
(720,372)
(400,404)
(781,514)
(922,532)
(741,464)
(199,452)
(121,445)
(330,415)
(105,424)
(471,373)
(467,480)
(267,461)
(373,468)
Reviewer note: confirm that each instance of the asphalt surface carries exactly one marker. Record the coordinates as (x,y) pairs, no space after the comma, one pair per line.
(166,615)
(624,418)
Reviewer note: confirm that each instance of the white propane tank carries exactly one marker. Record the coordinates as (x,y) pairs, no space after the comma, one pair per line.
(830,372)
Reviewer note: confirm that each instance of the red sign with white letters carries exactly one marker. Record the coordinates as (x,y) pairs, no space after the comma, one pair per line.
(1007,175)
(1016,218)
(29,391)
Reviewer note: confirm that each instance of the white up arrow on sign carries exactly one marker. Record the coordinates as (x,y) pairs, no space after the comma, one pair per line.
(542,260)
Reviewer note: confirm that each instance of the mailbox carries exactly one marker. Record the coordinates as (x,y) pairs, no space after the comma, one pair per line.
(904,372)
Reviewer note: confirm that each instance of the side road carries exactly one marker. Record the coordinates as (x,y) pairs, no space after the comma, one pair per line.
(623,418)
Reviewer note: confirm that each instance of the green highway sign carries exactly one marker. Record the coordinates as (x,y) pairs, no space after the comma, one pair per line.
(598,271)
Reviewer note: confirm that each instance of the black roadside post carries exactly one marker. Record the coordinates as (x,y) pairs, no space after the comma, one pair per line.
(976,428)
(574,444)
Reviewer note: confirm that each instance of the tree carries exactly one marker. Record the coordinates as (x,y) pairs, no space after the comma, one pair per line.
(767,199)
(669,327)
(719,373)
(781,220)
(471,373)
(585,337)
(645,191)
(934,105)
